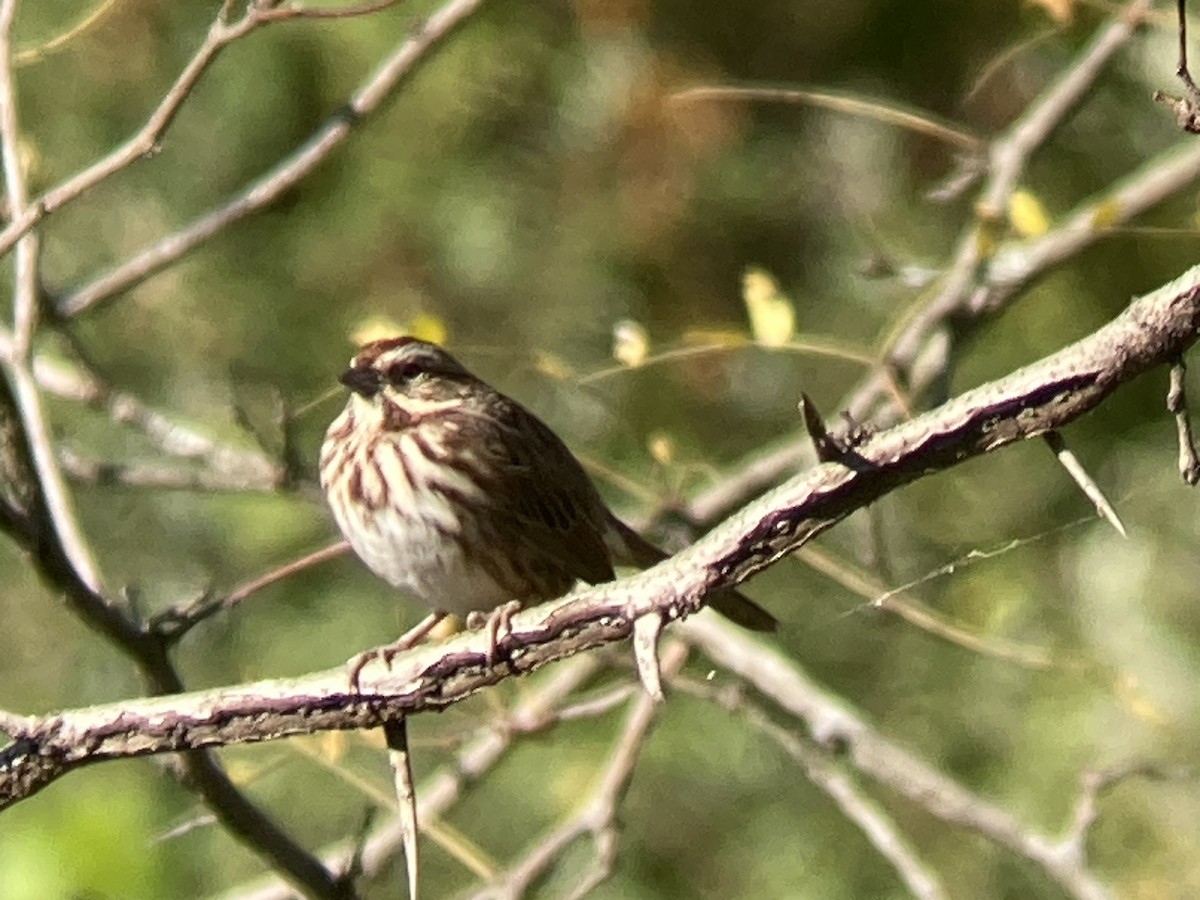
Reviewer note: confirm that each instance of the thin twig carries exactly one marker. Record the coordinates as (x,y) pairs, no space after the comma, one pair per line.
(26,288)
(598,817)
(225,466)
(36,54)
(290,13)
(160,476)
(1186,108)
(406,798)
(858,807)
(918,121)
(537,712)
(1092,786)
(1010,155)
(174,622)
(285,175)
(1189,464)
(897,601)
(834,725)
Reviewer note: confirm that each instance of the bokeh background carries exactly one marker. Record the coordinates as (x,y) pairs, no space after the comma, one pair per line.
(534,184)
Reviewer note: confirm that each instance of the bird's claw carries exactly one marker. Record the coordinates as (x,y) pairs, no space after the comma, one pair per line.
(496,624)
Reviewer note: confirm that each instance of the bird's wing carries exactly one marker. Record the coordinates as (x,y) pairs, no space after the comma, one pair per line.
(541,495)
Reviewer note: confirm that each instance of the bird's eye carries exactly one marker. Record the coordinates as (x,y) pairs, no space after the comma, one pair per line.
(402,373)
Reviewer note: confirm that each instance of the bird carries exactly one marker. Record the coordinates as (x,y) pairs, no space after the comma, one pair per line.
(464,499)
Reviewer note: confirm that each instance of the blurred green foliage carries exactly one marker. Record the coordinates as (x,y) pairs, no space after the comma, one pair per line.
(530,186)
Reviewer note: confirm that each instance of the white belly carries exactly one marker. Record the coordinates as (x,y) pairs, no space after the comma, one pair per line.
(425,564)
(408,536)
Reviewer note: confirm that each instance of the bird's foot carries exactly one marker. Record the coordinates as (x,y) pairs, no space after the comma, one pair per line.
(496,623)
(388,652)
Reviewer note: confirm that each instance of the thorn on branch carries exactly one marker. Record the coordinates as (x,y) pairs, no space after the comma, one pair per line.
(1189,464)
(396,734)
(829,447)
(1079,475)
(646,631)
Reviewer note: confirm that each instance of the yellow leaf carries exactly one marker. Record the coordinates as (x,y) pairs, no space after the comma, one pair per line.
(428,327)
(1026,215)
(631,344)
(423,326)
(374,328)
(1135,699)
(662,448)
(772,317)
(1060,11)
(550,365)
(27,153)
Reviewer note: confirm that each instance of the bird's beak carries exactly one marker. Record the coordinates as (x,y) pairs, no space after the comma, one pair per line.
(362,380)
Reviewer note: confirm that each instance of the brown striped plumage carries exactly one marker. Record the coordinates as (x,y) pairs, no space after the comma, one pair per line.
(463,498)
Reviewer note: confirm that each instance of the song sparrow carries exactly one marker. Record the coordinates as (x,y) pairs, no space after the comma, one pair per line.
(465,499)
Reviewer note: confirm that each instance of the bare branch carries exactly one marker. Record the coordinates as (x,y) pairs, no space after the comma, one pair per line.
(598,816)
(918,121)
(1010,154)
(1186,108)
(25,292)
(225,466)
(536,713)
(1189,463)
(53,488)
(386,79)
(1093,785)
(1029,402)
(290,13)
(855,804)
(834,725)
(174,622)
(977,284)
(221,33)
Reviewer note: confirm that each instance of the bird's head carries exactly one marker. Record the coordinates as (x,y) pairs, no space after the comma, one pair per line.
(400,367)
(402,381)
